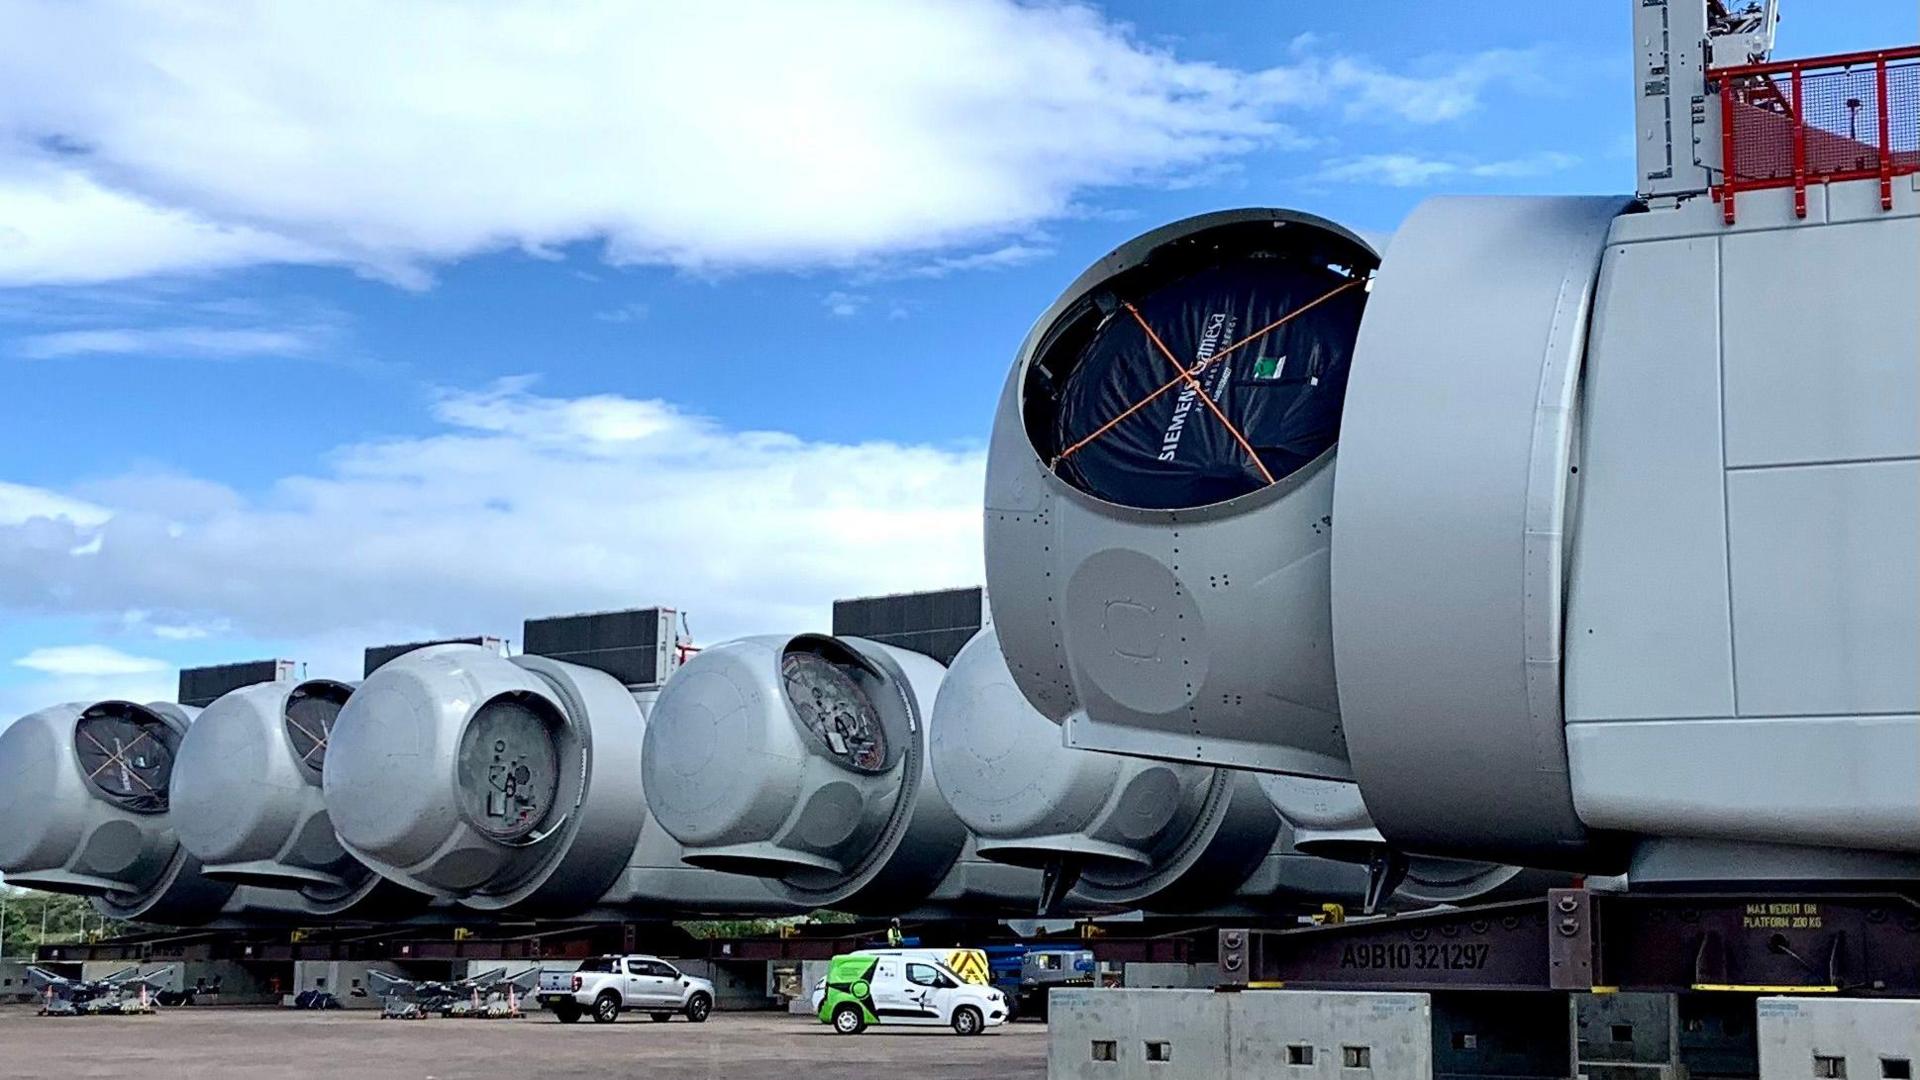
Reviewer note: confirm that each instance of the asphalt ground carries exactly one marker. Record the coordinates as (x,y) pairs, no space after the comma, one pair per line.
(218,1043)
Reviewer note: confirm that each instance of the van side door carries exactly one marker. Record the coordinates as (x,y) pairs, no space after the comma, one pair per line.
(890,1000)
(927,990)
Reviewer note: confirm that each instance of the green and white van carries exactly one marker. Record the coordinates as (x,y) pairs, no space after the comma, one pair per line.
(891,988)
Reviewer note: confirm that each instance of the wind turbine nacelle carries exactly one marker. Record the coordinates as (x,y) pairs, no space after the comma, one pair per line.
(86,794)
(1190,606)
(504,784)
(803,760)
(247,801)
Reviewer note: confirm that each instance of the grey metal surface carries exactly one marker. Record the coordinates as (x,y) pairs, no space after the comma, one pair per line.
(1138,833)
(1330,819)
(1672,863)
(1192,635)
(1456,459)
(1813,358)
(404,803)
(734,772)
(1648,633)
(1745,599)
(1676,143)
(657,880)
(1812,780)
(1201,1035)
(1129,829)
(1826,582)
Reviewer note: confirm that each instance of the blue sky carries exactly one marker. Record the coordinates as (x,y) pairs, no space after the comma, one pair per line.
(321,330)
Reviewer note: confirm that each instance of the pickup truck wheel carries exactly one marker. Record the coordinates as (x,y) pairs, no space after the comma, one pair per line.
(567,1014)
(659,1018)
(847,1019)
(699,1007)
(968,1021)
(606,1008)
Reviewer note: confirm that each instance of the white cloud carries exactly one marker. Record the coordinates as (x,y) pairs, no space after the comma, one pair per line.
(141,621)
(1414,170)
(844,304)
(519,505)
(151,138)
(25,696)
(998,259)
(58,225)
(88,661)
(21,504)
(185,341)
(633,311)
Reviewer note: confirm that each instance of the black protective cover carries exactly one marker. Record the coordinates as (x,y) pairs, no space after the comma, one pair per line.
(127,758)
(1283,391)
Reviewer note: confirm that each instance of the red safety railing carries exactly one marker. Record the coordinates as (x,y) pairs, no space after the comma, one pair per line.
(1814,121)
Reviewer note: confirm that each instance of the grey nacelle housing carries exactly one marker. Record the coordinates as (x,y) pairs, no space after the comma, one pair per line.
(84,793)
(504,784)
(1428,560)
(803,760)
(1201,634)
(247,800)
(1132,832)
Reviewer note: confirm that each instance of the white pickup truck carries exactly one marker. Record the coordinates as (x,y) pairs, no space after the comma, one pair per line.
(604,986)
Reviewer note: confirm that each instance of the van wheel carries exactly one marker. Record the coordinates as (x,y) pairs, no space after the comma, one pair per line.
(847,1019)
(968,1021)
(699,1007)
(606,1008)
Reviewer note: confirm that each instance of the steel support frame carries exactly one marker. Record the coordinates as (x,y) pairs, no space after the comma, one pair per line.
(1581,940)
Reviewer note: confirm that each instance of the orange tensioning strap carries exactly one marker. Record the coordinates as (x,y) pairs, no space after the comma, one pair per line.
(319,741)
(1202,393)
(114,757)
(1187,373)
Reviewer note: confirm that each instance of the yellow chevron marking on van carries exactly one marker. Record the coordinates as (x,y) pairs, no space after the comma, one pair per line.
(969,964)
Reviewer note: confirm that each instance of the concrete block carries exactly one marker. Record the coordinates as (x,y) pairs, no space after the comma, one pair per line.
(1628,1036)
(1139,1034)
(1837,1038)
(227,982)
(811,971)
(1162,976)
(14,985)
(738,985)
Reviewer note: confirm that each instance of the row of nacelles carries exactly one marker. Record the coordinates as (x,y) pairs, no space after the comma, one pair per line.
(456,779)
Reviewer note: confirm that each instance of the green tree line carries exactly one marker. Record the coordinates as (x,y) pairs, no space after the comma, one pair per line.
(65,919)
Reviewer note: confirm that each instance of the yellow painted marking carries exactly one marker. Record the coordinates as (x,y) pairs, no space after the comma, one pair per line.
(1762,988)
